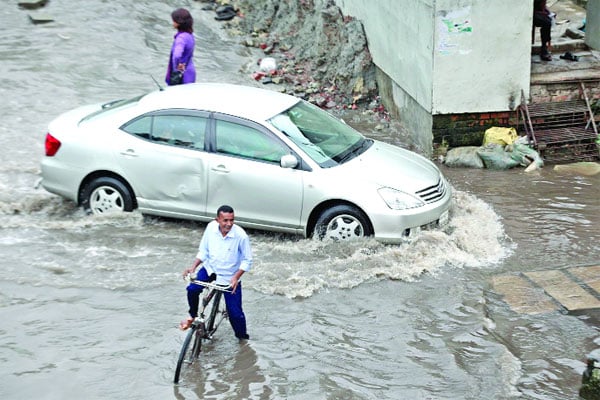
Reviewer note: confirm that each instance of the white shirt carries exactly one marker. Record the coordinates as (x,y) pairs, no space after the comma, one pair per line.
(225,255)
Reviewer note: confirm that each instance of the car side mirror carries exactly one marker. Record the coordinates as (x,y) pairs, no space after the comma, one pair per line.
(288,161)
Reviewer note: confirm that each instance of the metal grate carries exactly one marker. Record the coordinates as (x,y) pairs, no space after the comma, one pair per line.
(561,131)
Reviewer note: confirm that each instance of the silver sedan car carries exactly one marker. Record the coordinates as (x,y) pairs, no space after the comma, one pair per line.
(283,164)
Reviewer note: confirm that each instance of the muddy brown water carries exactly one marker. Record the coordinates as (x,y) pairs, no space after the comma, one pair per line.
(89,305)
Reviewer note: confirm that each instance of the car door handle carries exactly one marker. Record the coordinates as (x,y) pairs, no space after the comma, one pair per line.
(221,168)
(129,153)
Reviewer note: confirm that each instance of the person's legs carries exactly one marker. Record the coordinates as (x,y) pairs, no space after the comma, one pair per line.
(545,33)
(233,301)
(544,22)
(193,292)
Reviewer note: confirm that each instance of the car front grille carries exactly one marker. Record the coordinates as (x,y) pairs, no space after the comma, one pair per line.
(433,193)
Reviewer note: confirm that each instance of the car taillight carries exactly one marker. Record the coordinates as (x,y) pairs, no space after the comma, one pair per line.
(52,145)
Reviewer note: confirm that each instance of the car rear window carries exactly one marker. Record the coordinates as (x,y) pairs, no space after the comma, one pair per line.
(111,106)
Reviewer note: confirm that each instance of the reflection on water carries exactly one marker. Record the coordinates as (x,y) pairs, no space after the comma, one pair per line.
(90,305)
(551,215)
(237,375)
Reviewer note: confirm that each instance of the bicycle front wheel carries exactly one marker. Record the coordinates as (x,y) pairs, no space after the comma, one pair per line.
(189,351)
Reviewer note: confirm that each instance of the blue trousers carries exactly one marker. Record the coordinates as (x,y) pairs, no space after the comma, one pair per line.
(233,302)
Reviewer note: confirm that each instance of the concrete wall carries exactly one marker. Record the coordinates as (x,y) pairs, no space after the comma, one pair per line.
(450,56)
(592,25)
(400,37)
(447,56)
(402,106)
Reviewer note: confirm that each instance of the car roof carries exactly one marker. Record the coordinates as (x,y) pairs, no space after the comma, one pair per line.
(244,101)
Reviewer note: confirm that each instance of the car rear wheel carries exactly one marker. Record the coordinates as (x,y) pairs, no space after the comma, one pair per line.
(342,222)
(105,195)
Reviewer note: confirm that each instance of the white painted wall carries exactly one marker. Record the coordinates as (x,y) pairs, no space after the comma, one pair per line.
(476,65)
(592,24)
(482,54)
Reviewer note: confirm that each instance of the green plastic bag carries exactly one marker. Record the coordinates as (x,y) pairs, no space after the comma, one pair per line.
(525,155)
(465,157)
(494,157)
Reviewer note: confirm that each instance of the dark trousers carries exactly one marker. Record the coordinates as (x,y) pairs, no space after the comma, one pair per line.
(233,302)
(544,22)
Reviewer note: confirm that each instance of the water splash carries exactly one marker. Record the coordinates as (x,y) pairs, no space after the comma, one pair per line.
(474,238)
(107,251)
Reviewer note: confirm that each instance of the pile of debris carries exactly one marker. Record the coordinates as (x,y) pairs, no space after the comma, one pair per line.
(311,50)
(37,17)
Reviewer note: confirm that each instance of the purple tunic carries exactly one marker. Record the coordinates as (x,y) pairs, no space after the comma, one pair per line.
(182,51)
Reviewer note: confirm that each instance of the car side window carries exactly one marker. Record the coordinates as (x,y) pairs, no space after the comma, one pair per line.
(177,130)
(247,142)
(141,127)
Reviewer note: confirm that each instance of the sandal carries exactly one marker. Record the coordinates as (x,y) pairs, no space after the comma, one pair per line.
(186,323)
(569,56)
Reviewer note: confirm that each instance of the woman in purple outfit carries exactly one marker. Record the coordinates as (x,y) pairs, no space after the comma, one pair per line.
(182,50)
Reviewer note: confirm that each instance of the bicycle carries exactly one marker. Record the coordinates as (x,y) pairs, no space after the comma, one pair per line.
(202,329)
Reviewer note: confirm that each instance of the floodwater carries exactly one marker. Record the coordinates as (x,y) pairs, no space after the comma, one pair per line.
(89,305)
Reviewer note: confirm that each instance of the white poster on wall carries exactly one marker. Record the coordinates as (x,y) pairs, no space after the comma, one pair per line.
(454,31)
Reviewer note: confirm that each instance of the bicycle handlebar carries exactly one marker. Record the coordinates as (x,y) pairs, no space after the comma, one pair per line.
(210,285)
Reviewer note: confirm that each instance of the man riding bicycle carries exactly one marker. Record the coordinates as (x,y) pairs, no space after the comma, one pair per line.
(225,255)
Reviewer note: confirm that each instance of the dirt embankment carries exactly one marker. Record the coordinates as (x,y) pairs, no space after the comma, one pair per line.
(321,55)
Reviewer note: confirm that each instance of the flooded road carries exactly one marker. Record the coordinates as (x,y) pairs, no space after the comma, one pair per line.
(89,305)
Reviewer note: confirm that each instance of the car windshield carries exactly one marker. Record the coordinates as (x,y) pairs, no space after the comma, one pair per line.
(324,138)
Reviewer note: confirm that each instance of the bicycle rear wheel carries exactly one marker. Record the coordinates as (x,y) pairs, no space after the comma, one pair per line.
(189,351)
(217,314)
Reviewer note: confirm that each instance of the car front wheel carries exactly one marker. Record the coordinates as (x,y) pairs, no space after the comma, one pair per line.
(342,222)
(105,195)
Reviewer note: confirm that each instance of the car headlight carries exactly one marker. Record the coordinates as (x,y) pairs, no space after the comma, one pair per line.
(397,200)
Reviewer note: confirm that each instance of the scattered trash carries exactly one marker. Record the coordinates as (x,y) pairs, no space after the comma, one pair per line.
(574,33)
(32,4)
(36,17)
(500,135)
(257,76)
(465,156)
(211,6)
(569,56)
(495,157)
(268,64)
(225,13)
(532,167)
(40,18)
(525,155)
(343,52)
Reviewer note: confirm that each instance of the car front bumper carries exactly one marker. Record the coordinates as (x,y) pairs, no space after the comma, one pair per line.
(394,227)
